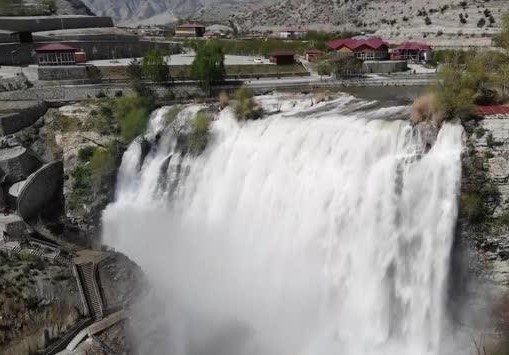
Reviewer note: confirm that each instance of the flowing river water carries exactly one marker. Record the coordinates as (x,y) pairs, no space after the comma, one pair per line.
(320,229)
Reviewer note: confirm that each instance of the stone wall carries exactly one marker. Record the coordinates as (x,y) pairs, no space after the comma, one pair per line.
(62,72)
(385,66)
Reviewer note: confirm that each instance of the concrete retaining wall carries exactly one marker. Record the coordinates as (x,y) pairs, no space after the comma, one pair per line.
(22,117)
(385,66)
(64,72)
(40,189)
(50,23)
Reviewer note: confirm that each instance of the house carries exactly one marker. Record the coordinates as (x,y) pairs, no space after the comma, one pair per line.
(282,57)
(56,54)
(367,48)
(190,30)
(313,55)
(412,51)
(292,33)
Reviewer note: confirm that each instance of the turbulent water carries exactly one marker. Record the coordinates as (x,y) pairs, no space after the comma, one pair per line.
(321,229)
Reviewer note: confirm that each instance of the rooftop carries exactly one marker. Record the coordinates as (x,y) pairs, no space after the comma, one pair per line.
(354,43)
(414,46)
(55,47)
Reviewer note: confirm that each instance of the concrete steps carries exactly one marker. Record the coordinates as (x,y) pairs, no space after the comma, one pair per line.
(90,290)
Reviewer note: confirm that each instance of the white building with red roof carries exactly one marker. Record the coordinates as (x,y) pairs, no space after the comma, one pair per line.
(56,54)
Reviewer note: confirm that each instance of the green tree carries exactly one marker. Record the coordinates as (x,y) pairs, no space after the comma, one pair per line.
(454,92)
(503,38)
(208,65)
(154,67)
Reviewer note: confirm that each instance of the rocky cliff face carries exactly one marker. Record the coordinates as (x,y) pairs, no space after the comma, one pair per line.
(39,301)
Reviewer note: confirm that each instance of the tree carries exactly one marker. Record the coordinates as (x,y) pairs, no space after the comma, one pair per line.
(346,66)
(454,92)
(504,34)
(154,67)
(323,67)
(208,65)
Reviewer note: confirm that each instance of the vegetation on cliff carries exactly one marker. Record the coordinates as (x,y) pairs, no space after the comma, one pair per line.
(245,107)
(466,79)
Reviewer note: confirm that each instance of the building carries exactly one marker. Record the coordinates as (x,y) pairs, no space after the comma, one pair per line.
(96,36)
(190,30)
(412,51)
(313,55)
(282,57)
(292,33)
(370,48)
(56,54)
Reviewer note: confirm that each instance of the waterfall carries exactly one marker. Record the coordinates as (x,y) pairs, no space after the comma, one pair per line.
(321,229)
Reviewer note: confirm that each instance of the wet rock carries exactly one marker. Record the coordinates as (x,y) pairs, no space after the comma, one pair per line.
(498,169)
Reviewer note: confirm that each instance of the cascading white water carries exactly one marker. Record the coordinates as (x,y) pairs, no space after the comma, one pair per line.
(318,230)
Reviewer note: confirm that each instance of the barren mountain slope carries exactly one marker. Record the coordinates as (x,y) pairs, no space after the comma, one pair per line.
(398,18)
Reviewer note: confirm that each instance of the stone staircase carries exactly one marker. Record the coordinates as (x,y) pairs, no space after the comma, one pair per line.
(86,273)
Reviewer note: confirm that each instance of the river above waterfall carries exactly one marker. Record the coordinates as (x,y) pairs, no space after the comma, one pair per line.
(321,229)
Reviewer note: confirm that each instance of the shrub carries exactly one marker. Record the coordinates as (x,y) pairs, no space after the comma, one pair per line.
(103,161)
(481,22)
(427,21)
(245,107)
(132,114)
(224,99)
(119,93)
(172,114)
(200,133)
(425,109)
(472,207)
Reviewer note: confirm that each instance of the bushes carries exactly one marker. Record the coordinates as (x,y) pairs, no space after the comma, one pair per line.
(103,161)
(200,133)
(132,114)
(245,107)
(472,207)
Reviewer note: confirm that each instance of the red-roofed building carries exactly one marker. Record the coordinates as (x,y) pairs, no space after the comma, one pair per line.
(371,48)
(313,55)
(413,51)
(56,54)
(190,30)
(282,57)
